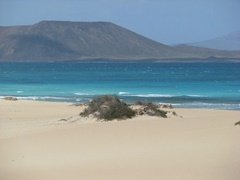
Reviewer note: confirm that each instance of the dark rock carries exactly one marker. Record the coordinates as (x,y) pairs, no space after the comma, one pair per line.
(10,98)
(237,123)
(63,120)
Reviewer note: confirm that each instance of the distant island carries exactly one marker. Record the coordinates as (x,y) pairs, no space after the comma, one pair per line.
(229,42)
(65,41)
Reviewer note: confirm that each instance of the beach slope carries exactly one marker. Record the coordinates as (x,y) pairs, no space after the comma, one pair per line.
(45,140)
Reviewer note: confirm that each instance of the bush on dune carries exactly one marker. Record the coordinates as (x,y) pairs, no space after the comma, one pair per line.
(150,109)
(108,108)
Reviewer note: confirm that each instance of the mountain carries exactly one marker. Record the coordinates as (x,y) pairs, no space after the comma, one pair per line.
(227,42)
(64,40)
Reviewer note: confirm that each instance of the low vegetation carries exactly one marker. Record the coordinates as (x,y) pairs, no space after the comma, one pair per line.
(150,109)
(110,107)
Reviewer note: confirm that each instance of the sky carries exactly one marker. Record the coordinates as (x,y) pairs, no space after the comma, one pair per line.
(166,21)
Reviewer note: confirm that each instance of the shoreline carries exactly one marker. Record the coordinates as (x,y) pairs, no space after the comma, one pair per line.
(137,60)
(38,141)
(62,114)
(195,105)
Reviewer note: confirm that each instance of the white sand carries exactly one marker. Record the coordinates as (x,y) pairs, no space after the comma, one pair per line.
(35,145)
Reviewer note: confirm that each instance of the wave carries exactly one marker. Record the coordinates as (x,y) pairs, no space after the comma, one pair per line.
(151,95)
(120,94)
(53,97)
(158,95)
(37,98)
(81,94)
(182,103)
(123,93)
(128,94)
(224,106)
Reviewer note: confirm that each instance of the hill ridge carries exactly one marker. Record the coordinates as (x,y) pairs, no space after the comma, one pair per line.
(230,41)
(71,40)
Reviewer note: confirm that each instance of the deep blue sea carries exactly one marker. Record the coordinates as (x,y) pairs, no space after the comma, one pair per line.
(192,85)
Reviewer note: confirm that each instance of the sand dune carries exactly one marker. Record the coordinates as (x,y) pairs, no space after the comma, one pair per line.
(34,144)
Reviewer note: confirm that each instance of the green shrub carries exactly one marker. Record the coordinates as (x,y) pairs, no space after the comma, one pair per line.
(108,108)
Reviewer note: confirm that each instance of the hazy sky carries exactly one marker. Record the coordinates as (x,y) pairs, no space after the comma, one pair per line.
(167,21)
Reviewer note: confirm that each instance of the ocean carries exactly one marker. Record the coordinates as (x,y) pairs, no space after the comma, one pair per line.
(189,85)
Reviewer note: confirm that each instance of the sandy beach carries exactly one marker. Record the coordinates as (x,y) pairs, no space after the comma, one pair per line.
(47,140)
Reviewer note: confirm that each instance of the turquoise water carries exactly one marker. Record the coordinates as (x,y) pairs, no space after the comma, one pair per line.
(203,85)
